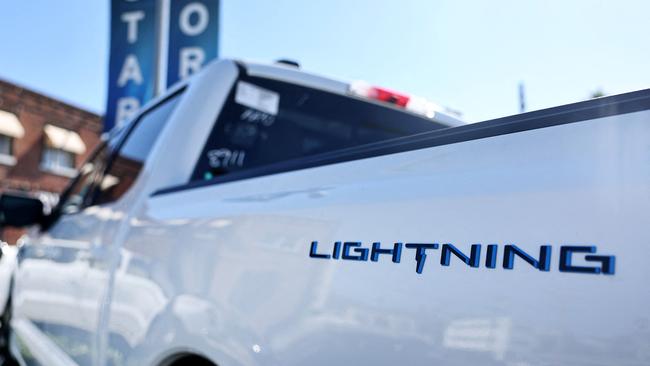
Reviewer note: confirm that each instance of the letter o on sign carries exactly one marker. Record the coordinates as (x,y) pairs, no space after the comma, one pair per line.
(203,17)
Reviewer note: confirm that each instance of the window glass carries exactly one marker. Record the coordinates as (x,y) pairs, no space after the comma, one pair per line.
(267,121)
(5,145)
(79,194)
(128,162)
(54,159)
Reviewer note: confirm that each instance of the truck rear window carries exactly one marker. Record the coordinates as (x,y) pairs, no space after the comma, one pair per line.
(268,121)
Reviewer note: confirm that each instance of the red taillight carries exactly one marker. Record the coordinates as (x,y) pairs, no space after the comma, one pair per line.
(389,96)
(411,103)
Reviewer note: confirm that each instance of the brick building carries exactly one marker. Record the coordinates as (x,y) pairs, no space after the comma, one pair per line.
(42,141)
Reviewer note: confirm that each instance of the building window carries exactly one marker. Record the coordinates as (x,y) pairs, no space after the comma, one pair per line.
(6,150)
(6,144)
(10,130)
(60,149)
(58,161)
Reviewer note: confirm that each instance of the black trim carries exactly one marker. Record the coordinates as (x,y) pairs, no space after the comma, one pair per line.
(241,68)
(120,144)
(570,113)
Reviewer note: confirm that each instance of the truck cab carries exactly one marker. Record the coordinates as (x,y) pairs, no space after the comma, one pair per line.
(78,286)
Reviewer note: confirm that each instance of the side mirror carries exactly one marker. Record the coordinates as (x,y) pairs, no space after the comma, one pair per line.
(19,210)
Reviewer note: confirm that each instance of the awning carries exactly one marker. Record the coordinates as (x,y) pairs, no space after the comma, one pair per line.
(63,139)
(10,125)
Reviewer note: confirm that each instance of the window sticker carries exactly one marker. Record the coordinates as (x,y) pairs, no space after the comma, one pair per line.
(258,98)
(225,158)
(253,116)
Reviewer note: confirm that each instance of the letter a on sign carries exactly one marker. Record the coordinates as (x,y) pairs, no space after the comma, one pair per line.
(132,66)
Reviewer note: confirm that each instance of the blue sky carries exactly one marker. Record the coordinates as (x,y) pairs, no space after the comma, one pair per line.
(467,55)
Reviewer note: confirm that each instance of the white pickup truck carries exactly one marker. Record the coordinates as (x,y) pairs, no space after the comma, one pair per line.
(260,215)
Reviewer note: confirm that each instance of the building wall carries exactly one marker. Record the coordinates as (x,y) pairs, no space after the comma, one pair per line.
(34,111)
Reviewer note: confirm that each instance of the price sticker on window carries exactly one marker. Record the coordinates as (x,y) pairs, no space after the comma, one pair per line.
(258,98)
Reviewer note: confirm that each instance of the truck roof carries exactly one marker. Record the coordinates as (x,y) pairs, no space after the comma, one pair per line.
(293,74)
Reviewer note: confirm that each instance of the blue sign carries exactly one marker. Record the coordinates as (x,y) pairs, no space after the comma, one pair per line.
(193,37)
(132,67)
